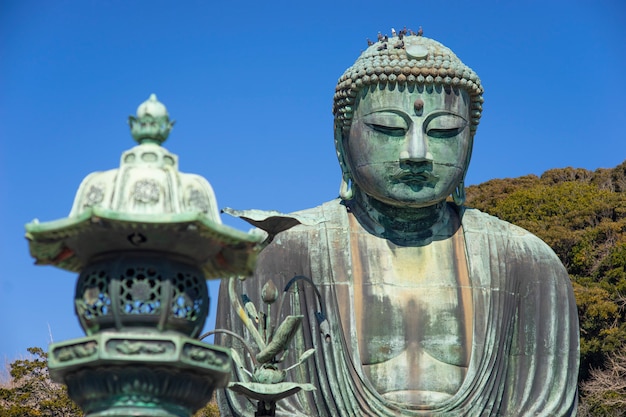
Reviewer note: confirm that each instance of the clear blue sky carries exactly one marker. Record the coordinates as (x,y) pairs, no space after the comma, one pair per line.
(250,84)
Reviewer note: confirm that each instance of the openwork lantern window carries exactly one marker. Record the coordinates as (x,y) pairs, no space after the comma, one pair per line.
(137,290)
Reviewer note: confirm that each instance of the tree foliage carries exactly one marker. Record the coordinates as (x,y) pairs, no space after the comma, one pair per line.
(210,410)
(604,394)
(31,392)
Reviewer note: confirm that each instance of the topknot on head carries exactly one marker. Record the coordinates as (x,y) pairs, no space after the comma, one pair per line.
(405,58)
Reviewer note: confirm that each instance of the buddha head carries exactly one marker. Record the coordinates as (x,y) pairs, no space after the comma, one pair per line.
(405,117)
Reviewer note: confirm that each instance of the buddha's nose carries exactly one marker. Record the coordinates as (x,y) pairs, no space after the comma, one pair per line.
(416,148)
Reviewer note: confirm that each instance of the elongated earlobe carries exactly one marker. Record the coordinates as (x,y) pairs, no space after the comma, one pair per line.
(459,194)
(345,191)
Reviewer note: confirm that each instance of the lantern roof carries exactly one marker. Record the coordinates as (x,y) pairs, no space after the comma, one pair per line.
(146,204)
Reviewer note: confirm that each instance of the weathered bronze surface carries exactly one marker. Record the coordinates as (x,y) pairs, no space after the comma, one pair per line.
(433,309)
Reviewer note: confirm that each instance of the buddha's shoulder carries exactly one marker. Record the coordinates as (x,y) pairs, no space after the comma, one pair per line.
(331,214)
(329,211)
(478,223)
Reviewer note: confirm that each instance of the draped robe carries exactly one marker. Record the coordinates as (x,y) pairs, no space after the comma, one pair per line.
(524,345)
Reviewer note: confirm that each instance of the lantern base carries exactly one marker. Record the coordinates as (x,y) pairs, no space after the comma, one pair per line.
(121,374)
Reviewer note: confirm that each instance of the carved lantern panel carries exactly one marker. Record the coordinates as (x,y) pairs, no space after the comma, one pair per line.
(142,290)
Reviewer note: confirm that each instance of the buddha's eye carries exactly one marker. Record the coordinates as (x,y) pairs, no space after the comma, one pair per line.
(445,126)
(444,133)
(388,130)
(389,124)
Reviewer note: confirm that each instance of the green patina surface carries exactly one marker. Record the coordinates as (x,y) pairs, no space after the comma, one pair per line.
(70,243)
(120,374)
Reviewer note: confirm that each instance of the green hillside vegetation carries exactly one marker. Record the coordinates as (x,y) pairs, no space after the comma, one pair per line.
(581,214)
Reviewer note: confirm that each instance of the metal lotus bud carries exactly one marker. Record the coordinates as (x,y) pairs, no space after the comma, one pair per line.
(269,292)
(152,124)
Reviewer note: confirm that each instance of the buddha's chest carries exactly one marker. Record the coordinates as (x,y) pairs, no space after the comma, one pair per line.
(414,320)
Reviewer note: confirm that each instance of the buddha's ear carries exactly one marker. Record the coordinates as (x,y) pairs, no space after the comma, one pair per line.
(345,190)
(339,146)
(459,192)
(469,153)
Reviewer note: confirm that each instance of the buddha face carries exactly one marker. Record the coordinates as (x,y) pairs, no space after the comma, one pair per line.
(409,146)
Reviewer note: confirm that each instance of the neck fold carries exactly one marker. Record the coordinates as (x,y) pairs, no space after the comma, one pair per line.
(401,225)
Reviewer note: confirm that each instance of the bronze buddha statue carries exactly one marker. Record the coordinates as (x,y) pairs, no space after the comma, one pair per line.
(434,309)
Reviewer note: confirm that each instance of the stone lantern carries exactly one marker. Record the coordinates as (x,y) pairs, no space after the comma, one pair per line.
(144,238)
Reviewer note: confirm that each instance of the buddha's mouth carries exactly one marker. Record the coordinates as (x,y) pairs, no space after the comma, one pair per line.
(421,178)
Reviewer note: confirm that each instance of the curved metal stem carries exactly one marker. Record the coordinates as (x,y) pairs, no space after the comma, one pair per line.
(310,282)
(236,336)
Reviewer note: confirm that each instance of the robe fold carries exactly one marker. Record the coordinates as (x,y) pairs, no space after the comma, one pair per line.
(525,342)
